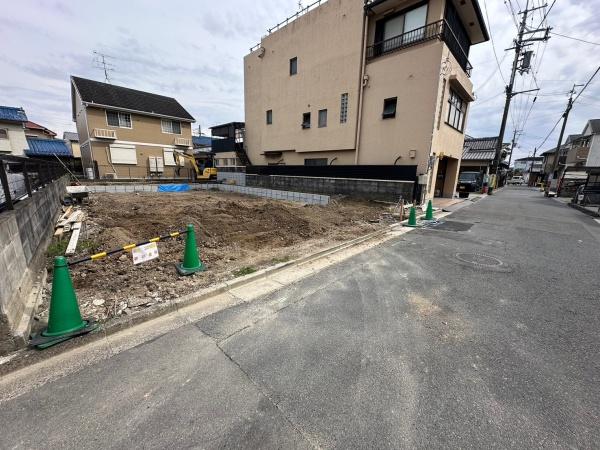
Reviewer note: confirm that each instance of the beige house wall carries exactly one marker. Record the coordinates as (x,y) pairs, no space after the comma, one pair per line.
(328,43)
(16,144)
(76,149)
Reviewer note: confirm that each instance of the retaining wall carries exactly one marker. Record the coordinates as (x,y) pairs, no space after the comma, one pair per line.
(389,190)
(238,177)
(302,197)
(25,234)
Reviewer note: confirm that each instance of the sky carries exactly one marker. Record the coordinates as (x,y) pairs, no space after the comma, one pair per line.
(193,51)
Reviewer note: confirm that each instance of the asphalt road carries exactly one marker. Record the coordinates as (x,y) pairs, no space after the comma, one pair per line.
(482,332)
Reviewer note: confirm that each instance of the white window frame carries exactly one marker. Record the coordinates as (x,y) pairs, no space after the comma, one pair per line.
(169,129)
(119,115)
(123,154)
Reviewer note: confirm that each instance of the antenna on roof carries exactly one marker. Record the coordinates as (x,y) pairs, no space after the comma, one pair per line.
(100,62)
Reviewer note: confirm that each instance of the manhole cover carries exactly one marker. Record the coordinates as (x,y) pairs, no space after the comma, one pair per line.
(479,259)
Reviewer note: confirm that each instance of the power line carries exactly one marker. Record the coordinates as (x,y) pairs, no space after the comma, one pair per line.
(493,44)
(587,84)
(546,14)
(574,38)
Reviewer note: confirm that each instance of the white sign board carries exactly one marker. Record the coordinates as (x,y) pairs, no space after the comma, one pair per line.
(144,253)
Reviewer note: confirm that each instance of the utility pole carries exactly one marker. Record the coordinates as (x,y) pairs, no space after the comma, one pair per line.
(512,147)
(531,166)
(520,44)
(562,133)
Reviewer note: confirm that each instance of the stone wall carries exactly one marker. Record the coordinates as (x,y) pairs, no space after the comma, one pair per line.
(388,190)
(25,234)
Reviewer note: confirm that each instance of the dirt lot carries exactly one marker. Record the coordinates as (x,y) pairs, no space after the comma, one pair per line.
(236,235)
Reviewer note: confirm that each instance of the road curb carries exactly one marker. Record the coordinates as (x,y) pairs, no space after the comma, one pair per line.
(124,323)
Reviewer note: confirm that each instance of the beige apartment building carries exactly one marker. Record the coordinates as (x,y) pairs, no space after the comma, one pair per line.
(349,82)
(126,133)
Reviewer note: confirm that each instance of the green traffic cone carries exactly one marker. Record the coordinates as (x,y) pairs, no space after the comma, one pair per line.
(64,321)
(429,212)
(191,259)
(412,218)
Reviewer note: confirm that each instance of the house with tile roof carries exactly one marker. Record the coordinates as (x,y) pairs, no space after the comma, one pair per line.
(127,133)
(479,154)
(34,130)
(72,140)
(12,131)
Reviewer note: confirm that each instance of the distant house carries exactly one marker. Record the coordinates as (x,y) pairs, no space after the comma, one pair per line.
(34,130)
(12,131)
(228,146)
(479,155)
(591,139)
(530,168)
(550,155)
(126,133)
(72,140)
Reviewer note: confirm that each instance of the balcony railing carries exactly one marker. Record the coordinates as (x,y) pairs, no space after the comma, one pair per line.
(102,133)
(437,30)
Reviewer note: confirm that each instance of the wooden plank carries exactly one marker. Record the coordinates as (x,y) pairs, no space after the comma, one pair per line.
(67,227)
(73,241)
(59,232)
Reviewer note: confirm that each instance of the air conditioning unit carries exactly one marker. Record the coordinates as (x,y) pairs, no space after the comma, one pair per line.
(102,133)
(183,142)
(110,176)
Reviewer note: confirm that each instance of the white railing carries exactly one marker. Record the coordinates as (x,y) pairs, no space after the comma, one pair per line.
(105,134)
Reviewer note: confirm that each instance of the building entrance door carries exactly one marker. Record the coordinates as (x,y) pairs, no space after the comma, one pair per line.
(440,177)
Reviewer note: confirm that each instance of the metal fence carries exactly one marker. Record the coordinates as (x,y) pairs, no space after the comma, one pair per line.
(20,177)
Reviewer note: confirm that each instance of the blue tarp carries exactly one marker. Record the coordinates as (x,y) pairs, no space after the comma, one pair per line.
(173,187)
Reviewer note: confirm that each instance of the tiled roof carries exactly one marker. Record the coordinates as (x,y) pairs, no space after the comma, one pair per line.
(29,125)
(12,114)
(47,147)
(480,148)
(94,92)
(70,136)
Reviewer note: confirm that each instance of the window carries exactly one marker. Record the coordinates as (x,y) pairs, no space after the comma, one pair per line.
(293,66)
(123,154)
(269,117)
(171,158)
(457,109)
(170,126)
(322,118)
(118,119)
(389,108)
(3,133)
(306,120)
(400,29)
(315,161)
(344,108)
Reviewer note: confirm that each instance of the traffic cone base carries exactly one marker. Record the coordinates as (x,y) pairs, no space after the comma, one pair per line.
(64,319)
(183,271)
(191,259)
(43,340)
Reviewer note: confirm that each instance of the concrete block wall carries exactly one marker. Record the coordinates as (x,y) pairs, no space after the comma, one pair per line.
(238,177)
(25,234)
(388,190)
(302,197)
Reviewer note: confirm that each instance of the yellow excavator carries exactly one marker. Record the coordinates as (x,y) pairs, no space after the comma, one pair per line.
(209,171)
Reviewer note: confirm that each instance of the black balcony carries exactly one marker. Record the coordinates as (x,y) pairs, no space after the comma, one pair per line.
(437,30)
